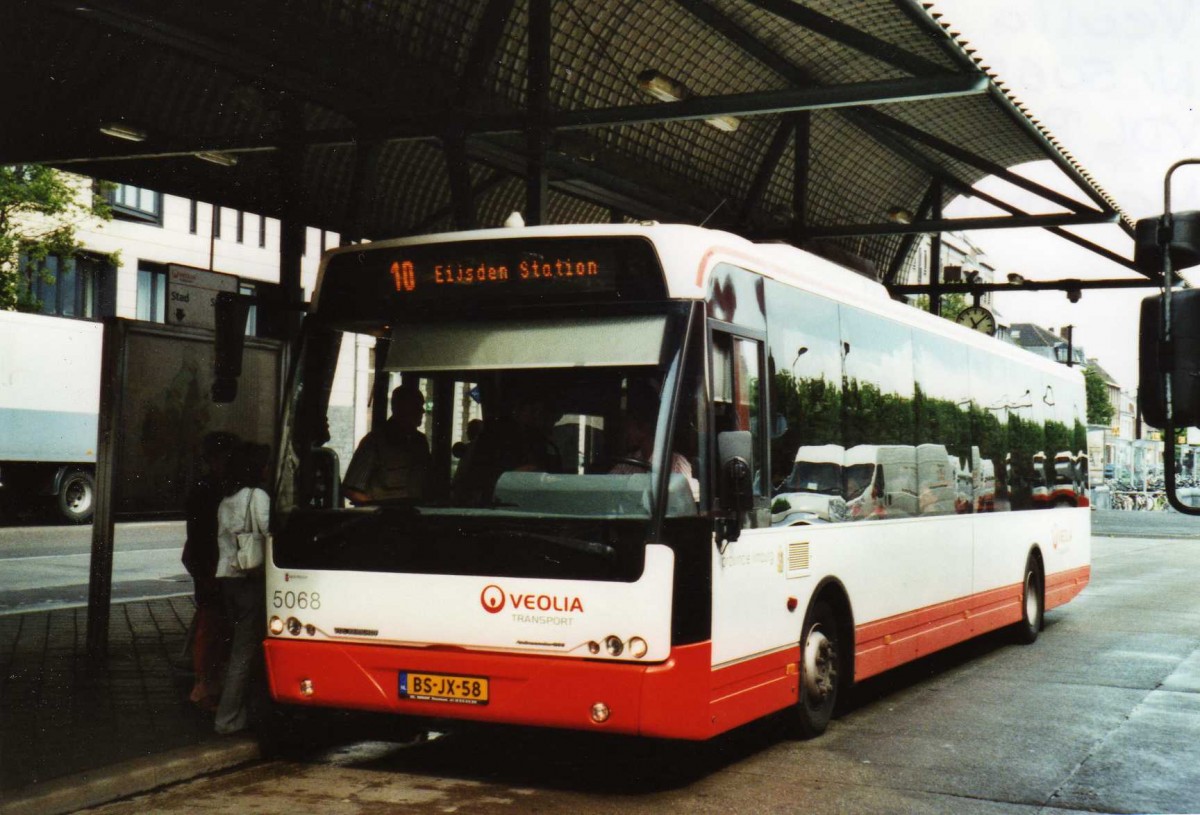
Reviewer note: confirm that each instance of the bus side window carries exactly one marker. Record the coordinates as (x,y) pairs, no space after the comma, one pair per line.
(738,405)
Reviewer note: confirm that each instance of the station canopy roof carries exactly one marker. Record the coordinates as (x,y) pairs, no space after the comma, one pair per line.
(826,124)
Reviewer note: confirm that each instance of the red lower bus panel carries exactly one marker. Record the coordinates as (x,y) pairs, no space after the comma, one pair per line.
(885,644)
(1063,586)
(681,698)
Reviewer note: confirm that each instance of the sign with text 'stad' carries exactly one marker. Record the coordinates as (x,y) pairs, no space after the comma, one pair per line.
(192,294)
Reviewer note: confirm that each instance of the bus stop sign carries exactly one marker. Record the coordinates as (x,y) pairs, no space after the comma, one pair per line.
(192,295)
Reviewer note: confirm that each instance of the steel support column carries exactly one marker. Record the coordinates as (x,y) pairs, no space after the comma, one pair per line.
(362,190)
(935,253)
(800,157)
(538,107)
(458,170)
(112,390)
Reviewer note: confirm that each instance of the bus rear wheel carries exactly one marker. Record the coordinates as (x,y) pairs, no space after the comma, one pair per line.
(820,671)
(1032,603)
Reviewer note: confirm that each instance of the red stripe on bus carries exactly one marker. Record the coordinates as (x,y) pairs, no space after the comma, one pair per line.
(683,697)
(887,643)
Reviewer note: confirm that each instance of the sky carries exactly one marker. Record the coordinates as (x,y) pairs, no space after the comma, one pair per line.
(1117,82)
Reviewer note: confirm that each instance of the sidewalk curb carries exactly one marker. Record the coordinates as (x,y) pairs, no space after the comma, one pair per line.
(107,784)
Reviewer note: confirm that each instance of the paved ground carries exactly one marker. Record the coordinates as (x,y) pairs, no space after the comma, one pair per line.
(74,734)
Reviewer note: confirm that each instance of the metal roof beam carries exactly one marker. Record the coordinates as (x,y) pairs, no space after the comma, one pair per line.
(904,150)
(910,239)
(1027,285)
(963,224)
(766,169)
(967,157)
(241,62)
(941,38)
(483,50)
(852,37)
(739,104)
(758,103)
(591,183)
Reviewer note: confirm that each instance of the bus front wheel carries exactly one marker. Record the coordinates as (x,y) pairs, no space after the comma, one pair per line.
(820,670)
(1032,603)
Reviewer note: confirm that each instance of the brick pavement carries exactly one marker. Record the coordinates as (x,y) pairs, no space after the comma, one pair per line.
(64,718)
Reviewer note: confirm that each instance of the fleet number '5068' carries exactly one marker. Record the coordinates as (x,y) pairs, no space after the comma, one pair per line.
(296,599)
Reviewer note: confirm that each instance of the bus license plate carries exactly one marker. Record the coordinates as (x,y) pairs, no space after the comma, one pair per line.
(464,690)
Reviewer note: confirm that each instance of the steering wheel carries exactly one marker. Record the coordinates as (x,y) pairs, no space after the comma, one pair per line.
(632,462)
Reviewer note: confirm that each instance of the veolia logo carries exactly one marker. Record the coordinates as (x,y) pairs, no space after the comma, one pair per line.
(492,599)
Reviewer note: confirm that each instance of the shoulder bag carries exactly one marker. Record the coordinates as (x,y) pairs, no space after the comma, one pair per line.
(251,542)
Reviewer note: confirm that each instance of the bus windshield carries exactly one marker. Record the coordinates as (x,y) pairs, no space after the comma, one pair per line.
(517,417)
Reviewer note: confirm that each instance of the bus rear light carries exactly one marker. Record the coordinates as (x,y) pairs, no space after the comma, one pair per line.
(276,626)
(306,687)
(638,648)
(594,647)
(293,626)
(310,629)
(614,646)
(600,713)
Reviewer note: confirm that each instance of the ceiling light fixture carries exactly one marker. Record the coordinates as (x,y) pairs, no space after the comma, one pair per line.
(213,157)
(121,130)
(666,89)
(899,215)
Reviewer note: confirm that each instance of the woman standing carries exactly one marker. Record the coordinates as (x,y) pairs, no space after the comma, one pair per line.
(245,508)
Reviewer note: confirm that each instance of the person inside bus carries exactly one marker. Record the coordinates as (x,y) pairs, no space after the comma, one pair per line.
(392,462)
(516,440)
(637,433)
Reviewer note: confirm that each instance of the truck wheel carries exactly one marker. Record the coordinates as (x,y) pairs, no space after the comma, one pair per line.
(77,497)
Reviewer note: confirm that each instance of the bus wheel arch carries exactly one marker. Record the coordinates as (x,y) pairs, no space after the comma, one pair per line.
(826,659)
(1033,598)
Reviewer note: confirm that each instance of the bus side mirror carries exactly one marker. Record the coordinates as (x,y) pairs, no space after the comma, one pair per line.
(231,312)
(1180,357)
(736,448)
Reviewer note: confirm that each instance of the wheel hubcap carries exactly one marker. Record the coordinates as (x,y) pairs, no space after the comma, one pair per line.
(78,497)
(1031,600)
(820,666)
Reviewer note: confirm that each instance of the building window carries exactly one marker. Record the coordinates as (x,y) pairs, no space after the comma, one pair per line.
(252,312)
(67,287)
(132,203)
(152,292)
(241,226)
(262,231)
(193,217)
(216,225)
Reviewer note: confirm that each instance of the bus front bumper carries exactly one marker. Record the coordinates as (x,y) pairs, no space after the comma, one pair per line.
(668,699)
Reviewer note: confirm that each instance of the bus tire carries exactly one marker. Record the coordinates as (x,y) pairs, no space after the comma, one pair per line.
(76,497)
(1032,602)
(821,663)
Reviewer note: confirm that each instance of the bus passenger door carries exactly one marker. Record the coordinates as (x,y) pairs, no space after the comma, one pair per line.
(750,615)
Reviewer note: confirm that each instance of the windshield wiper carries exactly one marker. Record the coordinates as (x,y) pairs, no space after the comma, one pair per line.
(586,547)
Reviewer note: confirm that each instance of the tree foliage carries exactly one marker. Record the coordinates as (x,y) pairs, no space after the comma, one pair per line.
(1099,406)
(951,304)
(40,210)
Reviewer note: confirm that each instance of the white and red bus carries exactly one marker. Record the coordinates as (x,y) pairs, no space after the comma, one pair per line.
(603,556)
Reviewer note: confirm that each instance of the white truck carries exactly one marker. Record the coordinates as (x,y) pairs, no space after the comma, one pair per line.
(49,409)
(813,489)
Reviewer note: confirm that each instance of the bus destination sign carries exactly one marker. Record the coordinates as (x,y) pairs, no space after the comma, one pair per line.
(385,282)
(588,273)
